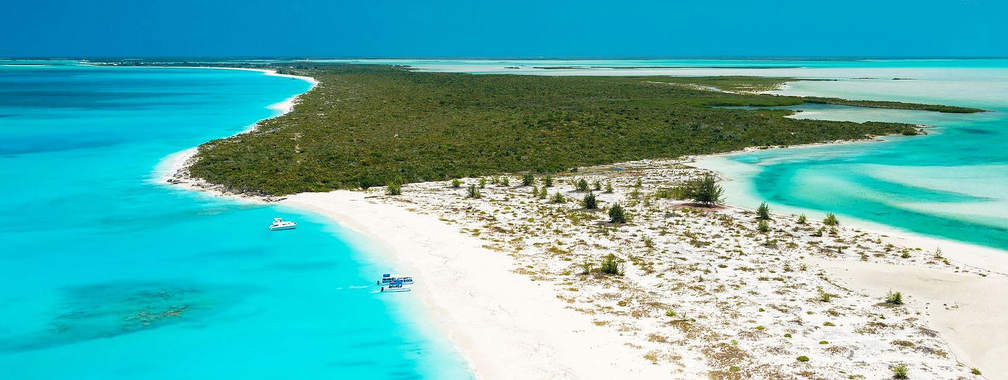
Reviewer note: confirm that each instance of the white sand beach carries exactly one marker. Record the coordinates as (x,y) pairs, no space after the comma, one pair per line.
(506,326)
(703,294)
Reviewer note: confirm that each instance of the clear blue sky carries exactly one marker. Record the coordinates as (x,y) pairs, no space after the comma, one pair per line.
(585,28)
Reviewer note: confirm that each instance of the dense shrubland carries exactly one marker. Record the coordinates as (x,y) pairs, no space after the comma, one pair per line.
(366,126)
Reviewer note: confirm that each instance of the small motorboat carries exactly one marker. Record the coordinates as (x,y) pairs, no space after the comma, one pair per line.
(395,286)
(388,278)
(280,225)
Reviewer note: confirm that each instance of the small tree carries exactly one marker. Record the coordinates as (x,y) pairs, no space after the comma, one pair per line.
(590,202)
(763,212)
(527,179)
(535,191)
(608,187)
(581,185)
(548,181)
(456,183)
(831,220)
(616,214)
(558,198)
(705,191)
(597,186)
(543,193)
(474,192)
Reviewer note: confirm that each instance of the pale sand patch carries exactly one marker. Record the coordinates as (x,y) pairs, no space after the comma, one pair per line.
(505,325)
(967,310)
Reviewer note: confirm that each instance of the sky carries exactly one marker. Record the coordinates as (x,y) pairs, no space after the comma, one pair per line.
(516,28)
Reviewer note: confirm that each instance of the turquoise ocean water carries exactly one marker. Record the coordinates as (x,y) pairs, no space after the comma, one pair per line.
(105,274)
(952,184)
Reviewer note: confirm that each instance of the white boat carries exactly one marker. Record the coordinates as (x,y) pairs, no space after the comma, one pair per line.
(395,286)
(280,224)
(388,278)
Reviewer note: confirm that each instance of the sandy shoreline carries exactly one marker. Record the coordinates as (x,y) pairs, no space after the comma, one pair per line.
(504,325)
(512,314)
(516,310)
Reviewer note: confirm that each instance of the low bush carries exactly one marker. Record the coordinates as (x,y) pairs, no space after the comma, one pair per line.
(473,192)
(894,298)
(527,179)
(558,198)
(616,214)
(610,266)
(590,202)
(763,212)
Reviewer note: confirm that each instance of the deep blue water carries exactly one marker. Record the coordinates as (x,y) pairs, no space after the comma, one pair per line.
(106,274)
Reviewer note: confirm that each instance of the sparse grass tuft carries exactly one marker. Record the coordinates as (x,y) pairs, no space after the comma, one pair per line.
(473,192)
(558,198)
(900,371)
(763,212)
(610,266)
(894,298)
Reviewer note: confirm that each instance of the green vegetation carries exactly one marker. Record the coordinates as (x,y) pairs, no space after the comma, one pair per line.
(590,202)
(608,187)
(894,298)
(824,297)
(831,220)
(527,179)
(557,198)
(900,371)
(802,219)
(548,181)
(581,185)
(763,227)
(393,188)
(704,190)
(456,183)
(803,358)
(365,125)
(763,212)
(610,266)
(616,214)
(474,192)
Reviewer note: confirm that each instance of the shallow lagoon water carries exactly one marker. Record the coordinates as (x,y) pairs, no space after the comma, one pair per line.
(952,184)
(106,274)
